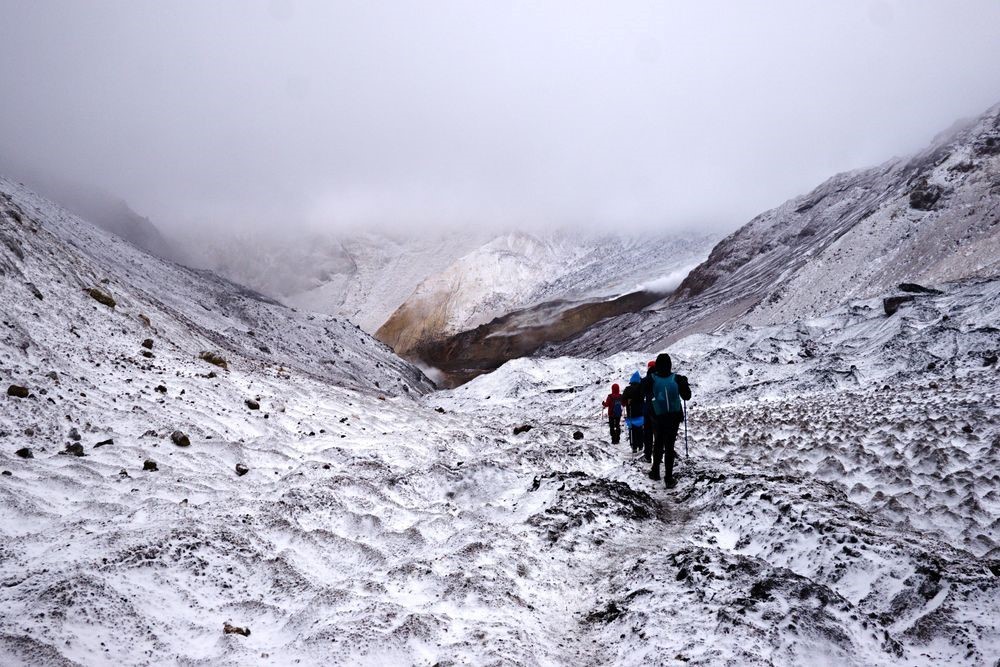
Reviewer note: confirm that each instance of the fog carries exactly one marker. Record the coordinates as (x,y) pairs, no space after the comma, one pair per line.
(286,115)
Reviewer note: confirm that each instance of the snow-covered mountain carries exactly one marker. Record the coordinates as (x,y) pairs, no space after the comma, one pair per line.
(319,508)
(361,276)
(517,271)
(929,218)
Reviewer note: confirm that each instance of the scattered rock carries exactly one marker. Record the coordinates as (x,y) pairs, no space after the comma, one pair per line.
(252,404)
(52,375)
(25,453)
(914,288)
(35,291)
(439,409)
(925,196)
(160,388)
(518,430)
(6,473)
(75,448)
(235,630)
(124,473)
(966,429)
(101,296)
(103,443)
(578,435)
(17,391)
(74,434)
(147,354)
(990,360)
(148,343)
(892,304)
(241,469)
(180,439)
(150,465)
(214,358)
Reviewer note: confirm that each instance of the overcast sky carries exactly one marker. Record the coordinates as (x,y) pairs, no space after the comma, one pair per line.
(282,112)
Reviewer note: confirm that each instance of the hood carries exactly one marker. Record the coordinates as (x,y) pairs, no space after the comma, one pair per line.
(663,364)
(636,378)
(615,390)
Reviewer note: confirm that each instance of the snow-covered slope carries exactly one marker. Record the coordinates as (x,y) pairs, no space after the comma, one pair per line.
(516,271)
(930,218)
(363,277)
(371,526)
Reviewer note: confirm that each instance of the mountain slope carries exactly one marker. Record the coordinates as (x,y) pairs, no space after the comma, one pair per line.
(931,218)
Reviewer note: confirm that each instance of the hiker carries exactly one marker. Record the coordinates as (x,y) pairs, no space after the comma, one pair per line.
(613,403)
(647,432)
(634,411)
(666,391)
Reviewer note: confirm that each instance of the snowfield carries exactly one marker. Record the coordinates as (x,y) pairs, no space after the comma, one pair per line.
(839,505)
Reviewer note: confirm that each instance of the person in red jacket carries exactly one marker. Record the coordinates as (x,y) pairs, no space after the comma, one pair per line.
(613,404)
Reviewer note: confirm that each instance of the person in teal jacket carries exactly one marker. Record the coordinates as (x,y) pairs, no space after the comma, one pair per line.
(665,391)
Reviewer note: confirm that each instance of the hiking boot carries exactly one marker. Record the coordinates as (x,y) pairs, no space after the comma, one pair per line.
(670,482)
(654,473)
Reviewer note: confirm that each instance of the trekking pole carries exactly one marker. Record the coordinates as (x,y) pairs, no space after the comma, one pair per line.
(685,430)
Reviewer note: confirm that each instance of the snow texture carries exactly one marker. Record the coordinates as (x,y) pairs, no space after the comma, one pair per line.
(819,520)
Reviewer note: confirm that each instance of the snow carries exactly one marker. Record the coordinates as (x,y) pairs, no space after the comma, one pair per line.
(374,529)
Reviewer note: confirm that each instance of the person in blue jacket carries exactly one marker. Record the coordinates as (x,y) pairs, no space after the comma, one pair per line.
(665,391)
(634,401)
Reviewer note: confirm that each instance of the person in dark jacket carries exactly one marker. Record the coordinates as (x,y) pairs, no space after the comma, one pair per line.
(634,411)
(613,403)
(666,390)
(647,433)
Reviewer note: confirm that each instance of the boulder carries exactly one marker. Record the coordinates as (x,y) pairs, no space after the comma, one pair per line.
(518,430)
(241,469)
(235,630)
(892,304)
(74,434)
(148,343)
(104,443)
(99,295)
(74,449)
(17,391)
(252,404)
(914,288)
(578,435)
(25,453)
(150,465)
(214,358)
(180,439)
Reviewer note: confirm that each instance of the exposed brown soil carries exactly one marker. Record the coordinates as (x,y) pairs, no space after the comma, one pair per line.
(466,355)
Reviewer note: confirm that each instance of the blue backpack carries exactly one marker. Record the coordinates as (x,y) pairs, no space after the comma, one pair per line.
(666,394)
(615,408)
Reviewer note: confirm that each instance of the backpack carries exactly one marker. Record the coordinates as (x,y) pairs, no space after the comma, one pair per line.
(666,394)
(615,408)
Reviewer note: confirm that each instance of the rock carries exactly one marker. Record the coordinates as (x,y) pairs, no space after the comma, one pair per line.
(144,320)
(124,473)
(99,295)
(103,443)
(150,465)
(578,435)
(17,391)
(35,291)
(75,448)
(966,429)
(235,630)
(214,358)
(914,288)
(439,409)
(252,404)
(148,343)
(518,430)
(892,304)
(241,469)
(180,439)
(925,196)
(52,375)
(25,453)
(990,360)
(160,388)
(147,354)
(74,434)
(6,473)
